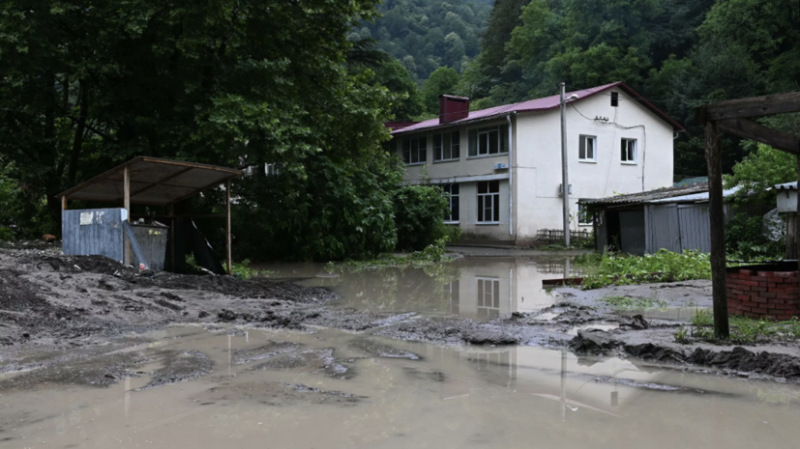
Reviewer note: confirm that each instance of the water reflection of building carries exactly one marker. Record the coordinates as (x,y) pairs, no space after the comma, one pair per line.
(495,287)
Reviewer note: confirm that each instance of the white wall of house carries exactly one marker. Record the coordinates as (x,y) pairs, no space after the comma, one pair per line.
(536,165)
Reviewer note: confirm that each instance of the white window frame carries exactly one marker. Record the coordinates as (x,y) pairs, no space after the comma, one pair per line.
(488,301)
(414,149)
(493,198)
(584,139)
(627,142)
(583,214)
(451,198)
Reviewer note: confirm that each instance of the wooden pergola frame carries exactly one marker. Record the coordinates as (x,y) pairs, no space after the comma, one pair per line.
(733,117)
(215,176)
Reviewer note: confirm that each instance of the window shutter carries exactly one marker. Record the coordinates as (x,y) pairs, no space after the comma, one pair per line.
(504,138)
(582,150)
(473,142)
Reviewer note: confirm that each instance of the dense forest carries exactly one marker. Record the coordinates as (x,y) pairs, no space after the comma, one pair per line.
(307,85)
(427,34)
(677,53)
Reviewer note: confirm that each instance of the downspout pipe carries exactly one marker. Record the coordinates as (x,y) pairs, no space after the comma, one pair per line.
(510,175)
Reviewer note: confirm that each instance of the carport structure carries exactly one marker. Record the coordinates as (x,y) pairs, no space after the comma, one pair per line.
(157,182)
(734,117)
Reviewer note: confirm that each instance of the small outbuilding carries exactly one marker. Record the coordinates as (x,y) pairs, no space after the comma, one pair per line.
(147,181)
(673,218)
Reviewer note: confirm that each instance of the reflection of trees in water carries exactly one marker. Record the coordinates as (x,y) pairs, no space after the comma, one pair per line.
(399,288)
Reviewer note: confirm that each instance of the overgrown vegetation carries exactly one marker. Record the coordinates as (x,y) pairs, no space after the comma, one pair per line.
(419,212)
(746,239)
(663,266)
(433,254)
(743,330)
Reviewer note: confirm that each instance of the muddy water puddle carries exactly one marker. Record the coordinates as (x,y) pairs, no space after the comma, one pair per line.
(479,288)
(249,388)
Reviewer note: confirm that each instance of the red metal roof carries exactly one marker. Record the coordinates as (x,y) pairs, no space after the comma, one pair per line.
(539,104)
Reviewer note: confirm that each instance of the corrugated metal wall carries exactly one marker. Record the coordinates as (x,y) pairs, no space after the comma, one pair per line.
(695,227)
(93,232)
(678,227)
(663,228)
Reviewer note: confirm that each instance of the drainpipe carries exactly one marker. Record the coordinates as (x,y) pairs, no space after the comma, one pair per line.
(510,177)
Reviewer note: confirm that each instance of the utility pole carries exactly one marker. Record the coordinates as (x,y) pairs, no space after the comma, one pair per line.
(564,174)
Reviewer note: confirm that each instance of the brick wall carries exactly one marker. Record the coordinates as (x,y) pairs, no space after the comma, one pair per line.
(761,294)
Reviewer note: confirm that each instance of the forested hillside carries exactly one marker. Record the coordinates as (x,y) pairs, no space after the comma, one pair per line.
(677,53)
(427,34)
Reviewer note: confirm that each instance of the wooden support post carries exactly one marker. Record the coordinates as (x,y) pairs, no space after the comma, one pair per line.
(717,220)
(63,203)
(127,205)
(172,237)
(796,220)
(228,227)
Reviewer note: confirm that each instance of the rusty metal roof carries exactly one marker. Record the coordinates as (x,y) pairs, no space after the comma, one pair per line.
(153,181)
(539,104)
(646,197)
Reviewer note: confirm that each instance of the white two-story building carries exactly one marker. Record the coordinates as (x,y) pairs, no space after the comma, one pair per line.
(502,165)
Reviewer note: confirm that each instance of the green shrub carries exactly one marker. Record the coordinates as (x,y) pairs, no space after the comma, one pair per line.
(453,233)
(745,240)
(419,217)
(663,266)
(6,234)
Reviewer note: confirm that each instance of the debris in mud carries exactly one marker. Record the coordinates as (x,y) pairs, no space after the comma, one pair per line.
(594,342)
(380,349)
(244,356)
(95,372)
(179,367)
(277,394)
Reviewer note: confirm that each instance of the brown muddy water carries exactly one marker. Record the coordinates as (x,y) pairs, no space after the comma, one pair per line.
(331,389)
(478,288)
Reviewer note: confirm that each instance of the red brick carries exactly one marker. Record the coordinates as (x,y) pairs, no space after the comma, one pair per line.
(786,296)
(746,272)
(759,310)
(785,274)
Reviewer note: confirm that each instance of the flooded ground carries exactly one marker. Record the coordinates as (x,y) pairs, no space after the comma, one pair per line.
(248,388)
(479,288)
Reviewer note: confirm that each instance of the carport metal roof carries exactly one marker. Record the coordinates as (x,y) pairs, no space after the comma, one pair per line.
(153,181)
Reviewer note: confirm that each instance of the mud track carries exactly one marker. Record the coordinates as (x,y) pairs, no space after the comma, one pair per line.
(51,302)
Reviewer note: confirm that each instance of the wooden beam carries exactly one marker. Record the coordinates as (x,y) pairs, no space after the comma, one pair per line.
(754,106)
(180,216)
(228,227)
(172,238)
(161,181)
(63,203)
(126,180)
(717,221)
(753,131)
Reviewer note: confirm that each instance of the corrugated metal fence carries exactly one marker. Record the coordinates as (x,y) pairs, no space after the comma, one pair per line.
(678,227)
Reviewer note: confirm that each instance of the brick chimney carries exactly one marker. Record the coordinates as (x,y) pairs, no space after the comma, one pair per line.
(452,108)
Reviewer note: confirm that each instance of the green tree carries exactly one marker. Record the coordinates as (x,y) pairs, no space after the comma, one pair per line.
(442,81)
(407,101)
(762,168)
(227,82)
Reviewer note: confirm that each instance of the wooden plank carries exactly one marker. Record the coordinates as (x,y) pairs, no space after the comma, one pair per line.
(162,181)
(717,221)
(754,107)
(126,180)
(228,227)
(63,203)
(753,131)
